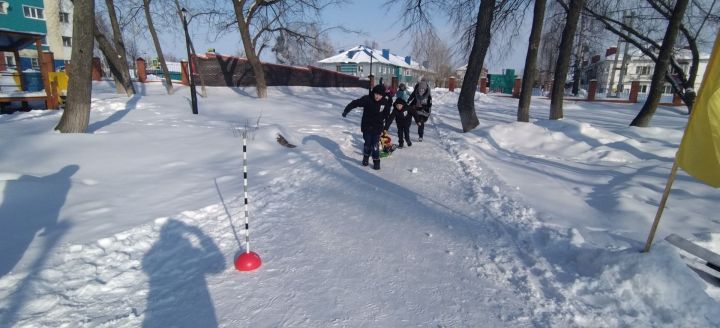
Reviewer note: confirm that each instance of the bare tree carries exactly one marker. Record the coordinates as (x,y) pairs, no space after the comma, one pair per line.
(259,20)
(300,51)
(475,28)
(550,41)
(76,116)
(158,47)
(663,61)
(431,49)
(698,25)
(529,73)
(574,11)
(114,50)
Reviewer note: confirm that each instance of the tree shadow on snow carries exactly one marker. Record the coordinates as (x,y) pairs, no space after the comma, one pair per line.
(115,117)
(31,204)
(176,266)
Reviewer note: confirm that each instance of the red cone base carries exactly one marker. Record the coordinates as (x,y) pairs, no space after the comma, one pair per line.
(247,261)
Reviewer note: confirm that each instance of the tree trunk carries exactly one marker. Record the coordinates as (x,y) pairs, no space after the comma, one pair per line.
(529,75)
(481,42)
(113,59)
(563,60)
(249,47)
(125,85)
(658,79)
(76,116)
(158,48)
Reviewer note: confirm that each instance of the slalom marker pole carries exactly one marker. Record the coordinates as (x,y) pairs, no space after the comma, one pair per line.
(245,189)
(247,261)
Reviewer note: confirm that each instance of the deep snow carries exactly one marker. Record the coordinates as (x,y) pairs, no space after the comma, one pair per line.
(138,222)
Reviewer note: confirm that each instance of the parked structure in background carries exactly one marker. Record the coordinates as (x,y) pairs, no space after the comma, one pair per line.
(360,60)
(153,67)
(51,18)
(460,74)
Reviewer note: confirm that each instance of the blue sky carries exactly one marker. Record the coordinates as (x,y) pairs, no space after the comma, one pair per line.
(375,22)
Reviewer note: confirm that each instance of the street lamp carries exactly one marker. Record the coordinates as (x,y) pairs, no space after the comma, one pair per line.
(371,76)
(193,96)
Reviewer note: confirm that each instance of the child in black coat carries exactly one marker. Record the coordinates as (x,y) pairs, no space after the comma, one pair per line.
(376,108)
(420,101)
(403,117)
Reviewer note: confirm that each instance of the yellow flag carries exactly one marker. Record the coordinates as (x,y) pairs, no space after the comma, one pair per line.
(699,153)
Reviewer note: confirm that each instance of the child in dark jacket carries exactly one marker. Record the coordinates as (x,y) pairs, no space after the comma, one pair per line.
(376,109)
(421,102)
(403,117)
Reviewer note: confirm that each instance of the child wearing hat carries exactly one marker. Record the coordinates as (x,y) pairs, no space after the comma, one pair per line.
(376,109)
(402,116)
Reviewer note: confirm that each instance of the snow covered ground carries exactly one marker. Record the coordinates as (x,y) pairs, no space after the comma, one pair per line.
(539,224)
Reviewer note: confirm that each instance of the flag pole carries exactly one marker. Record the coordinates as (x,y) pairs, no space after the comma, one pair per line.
(661,207)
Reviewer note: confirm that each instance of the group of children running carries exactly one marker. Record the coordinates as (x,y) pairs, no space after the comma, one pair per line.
(379,111)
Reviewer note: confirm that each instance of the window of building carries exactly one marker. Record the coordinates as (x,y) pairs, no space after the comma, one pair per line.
(643,89)
(33,12)
(10,61)
(35,63)
(642,70)
(67,41)
(667,89)
(3,7)
(64,17)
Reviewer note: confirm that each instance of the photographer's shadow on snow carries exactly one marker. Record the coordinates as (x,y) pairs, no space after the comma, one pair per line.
(176,266)
(30,205)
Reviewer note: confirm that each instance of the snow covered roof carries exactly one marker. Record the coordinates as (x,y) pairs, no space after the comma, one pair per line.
(362,54)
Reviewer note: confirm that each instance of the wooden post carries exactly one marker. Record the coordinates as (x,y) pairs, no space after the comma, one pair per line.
(18,69)
(661,207)
(516,88)
(451,84)
(48,63)
(185,79)
(592,90)
(483,85)
(141,70)
(2,62)
(96,69)
(634,90)
(394,83)
(44,74)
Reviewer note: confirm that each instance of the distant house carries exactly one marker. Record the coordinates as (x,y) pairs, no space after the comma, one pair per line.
(357,62)
(460,73)
(638,68)
(49,18)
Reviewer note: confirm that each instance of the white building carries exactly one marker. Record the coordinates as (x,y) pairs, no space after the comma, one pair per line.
(357,61)
(639,68)
(56,15)
(58,19)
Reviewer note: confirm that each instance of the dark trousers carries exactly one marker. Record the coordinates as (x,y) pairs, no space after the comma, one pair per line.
(372,144)
(403,132)
(421,129)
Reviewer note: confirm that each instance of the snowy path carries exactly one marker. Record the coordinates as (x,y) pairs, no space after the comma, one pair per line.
(343,245)
(413,252)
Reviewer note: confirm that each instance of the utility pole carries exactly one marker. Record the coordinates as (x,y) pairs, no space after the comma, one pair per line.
(193,95)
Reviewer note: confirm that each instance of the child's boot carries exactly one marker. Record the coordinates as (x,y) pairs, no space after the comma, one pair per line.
(376,164)
(365,160)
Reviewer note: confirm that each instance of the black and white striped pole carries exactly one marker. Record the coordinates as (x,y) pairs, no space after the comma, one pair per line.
(248,260)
